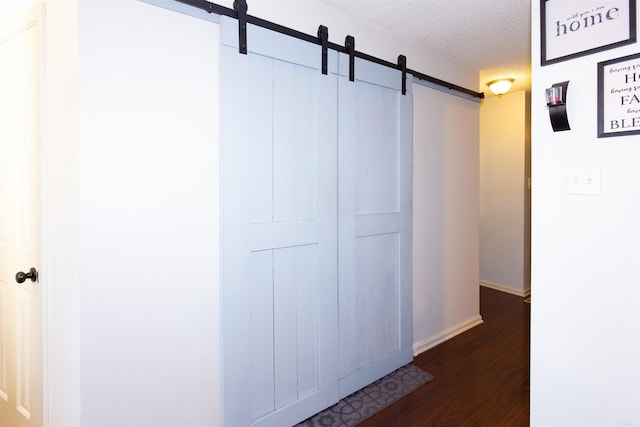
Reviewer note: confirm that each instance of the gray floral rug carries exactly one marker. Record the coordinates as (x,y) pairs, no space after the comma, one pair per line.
(363,403)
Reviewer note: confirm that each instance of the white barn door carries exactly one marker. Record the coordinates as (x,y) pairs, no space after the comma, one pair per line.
(375,196)
(279,222)
(316,227)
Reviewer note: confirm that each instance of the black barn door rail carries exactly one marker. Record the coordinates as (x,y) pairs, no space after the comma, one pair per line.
(239,12)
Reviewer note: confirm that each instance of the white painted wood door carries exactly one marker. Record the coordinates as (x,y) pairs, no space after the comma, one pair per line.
(279,223)
(375,196)
(20,304)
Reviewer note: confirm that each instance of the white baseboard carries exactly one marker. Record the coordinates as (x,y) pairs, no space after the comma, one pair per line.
(426,344)
(507,289)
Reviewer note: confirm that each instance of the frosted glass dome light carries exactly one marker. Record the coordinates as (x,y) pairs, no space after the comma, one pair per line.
(500,87)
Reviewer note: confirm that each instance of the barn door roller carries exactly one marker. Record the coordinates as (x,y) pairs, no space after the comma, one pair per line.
(350,45)
(240,6)
(402,63)
(323,35)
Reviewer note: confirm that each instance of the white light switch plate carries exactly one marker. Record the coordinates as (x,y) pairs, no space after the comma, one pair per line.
(583,181)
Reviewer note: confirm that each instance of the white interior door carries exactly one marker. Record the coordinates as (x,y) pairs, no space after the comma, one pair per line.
(375,195)
(20,303)
(279,222)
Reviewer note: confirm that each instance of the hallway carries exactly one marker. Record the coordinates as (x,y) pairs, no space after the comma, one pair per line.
(482,375)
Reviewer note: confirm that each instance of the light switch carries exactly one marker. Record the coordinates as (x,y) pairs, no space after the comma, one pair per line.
(583,181)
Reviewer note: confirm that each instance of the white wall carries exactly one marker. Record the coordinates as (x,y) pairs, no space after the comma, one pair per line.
(585,351)
(132,210)
(59,276)
(148,232)
(445,217)
(504,217)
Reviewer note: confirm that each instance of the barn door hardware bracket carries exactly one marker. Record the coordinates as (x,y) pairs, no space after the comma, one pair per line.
(402,64)
(240,6)
(323,35)
(350,45)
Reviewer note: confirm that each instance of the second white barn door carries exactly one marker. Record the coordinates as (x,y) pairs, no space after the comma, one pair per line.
(316,272)
(374,204)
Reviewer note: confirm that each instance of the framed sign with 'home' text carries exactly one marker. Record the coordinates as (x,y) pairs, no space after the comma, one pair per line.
(570,29)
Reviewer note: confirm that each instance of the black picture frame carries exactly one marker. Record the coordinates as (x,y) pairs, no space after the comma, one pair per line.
(619,96)
(584,27)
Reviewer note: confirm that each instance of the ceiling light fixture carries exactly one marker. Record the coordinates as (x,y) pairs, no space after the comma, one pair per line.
(500,87)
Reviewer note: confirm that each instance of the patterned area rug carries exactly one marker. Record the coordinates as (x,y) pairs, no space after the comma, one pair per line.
(363,403)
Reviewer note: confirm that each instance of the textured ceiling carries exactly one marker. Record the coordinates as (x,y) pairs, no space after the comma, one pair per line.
(493,36)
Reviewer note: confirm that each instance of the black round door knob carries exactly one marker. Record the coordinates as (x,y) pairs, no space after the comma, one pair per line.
(22,276)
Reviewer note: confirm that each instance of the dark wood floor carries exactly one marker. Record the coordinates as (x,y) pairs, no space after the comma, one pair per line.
(481,376)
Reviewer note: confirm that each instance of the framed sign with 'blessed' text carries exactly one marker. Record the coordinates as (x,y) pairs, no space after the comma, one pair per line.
(619,96)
